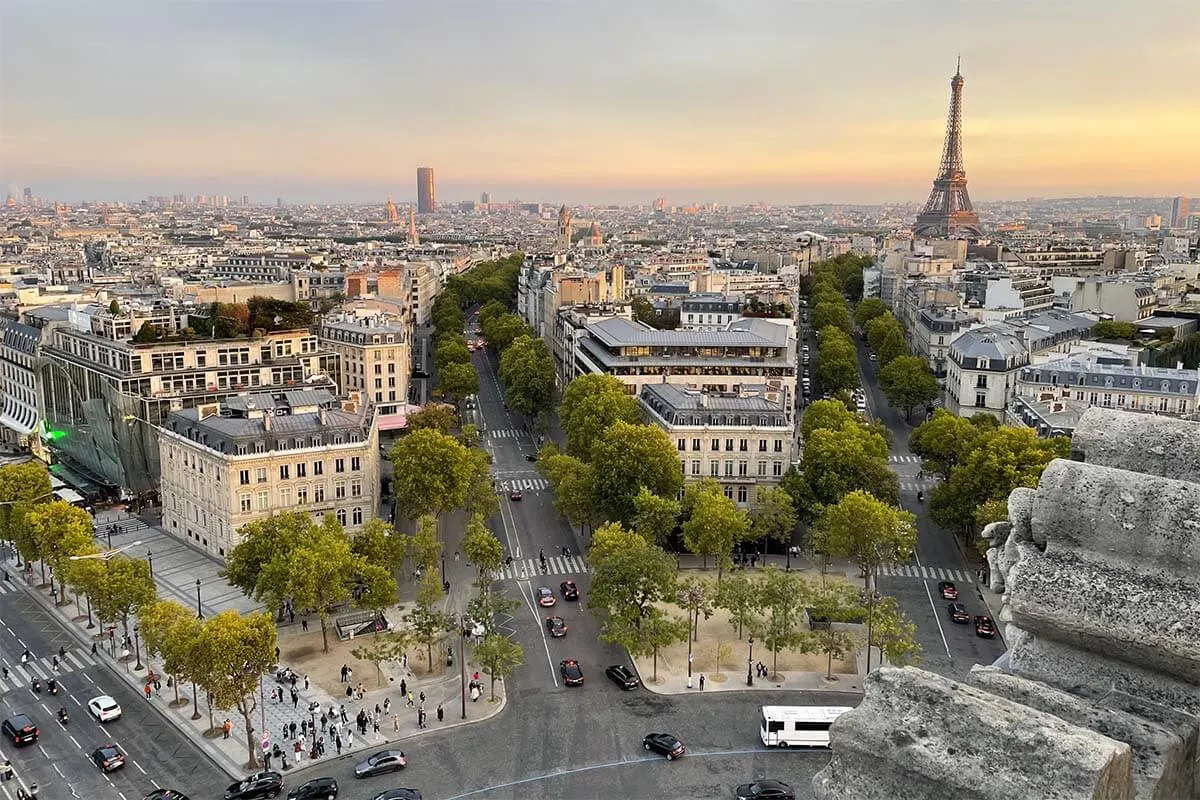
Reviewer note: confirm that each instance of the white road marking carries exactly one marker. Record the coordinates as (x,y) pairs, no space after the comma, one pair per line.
(937,618)
(537,619)
(139,766)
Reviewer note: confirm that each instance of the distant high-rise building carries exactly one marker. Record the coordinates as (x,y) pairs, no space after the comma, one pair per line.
(245,200)
(426,195)
(279,202)
(948,211)
(564,227)
(412,227)
(660,204)
(393,213)
(1179,211)
(485,198)
(29,196)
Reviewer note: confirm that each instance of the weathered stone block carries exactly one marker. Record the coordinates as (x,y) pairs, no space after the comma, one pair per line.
(1138,442)
(919,736)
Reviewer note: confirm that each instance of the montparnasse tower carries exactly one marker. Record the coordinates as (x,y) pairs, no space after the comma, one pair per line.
(393,213)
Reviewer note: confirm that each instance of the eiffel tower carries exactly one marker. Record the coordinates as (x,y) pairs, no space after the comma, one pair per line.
(948,210)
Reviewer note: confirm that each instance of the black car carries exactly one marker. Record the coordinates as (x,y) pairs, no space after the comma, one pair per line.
(531,457)
(398,794)
(108,757)
(665,744)
(556,626)
(766,790)
(622,676)
(948,590)
(252,787)
(165,794)
(571,671)
(316,789)
(958,613)
(20,730)
(985,628)
(381,762)
(569,590)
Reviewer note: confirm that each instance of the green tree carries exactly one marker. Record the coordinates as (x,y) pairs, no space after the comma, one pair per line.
(125,587)
(481,497)
(490,312)
(943,442)
(482,549)
(892,632)
(451,350)
(232,652)
(383,647)
(867,310)
(655,518)
(868,532)
(591,404)
(426,621)
(831,603)
(114,308)
(880,328)
(825,414)
(784,596)
(147,333)
(837,314)
(433,473)
(261,541)
(627,457)
(773,516)
(22,486)
(906,381)
(629,576)
(458,380)
(169,630)
(714,525)
(837,362)
(574,487)
(527,372)
(438,416)
(836,462)
(380,544)
(695,596)
(60,530)
(426,543)
(498,657)
(504,331)
(645,635)
(738,594)
(892,347)
(1112,329)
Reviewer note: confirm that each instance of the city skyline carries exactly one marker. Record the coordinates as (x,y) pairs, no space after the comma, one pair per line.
(732,103)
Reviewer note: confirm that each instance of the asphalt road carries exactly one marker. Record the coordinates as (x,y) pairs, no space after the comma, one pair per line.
(545,746)
(158,755)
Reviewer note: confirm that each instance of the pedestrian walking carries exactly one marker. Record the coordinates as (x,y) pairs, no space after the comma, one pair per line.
(157,685)
(226,728)
(702,681)
(375,722)
(440,712)
(146,689)
(410,700)
(337,743)
(304,727)
(296,748)
(387,705)
(404,661)
(349,738)
(306,683)
(345,670)
(304,624)
(422,698)
(403,687)
(345,719)
(292,729)
(6,771)
(395,722)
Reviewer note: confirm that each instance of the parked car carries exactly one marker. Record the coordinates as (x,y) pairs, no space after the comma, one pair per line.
(572,673)
(316,789)
(556,626)
(399,793)
(664,744)
(261,784)
(765,790)
(380,763)
(104,708)
(958,613)
(544,596)
(569,590)
(622,676)
(165,794)
(948,590)
(20,730)
(984,627)
(108,757)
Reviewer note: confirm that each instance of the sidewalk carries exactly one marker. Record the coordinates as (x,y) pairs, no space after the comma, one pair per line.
(175,568)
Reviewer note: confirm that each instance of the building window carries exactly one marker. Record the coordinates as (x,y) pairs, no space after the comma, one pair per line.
(339,490)
(981,400)
(728,491)
(355,464)
(729,445)
(339,465)
(244,477)
(714,468)
(741,494)
(318,468)
(284,472)
(301,495)
(696,468)
(681,444)
(779,445)
(729,469)
(981,381)
(260,475)
(762,445)
(778,469)
(695,445)
(716,445)
(356,488)
(318,494)
(762,468)
(285,497)
(356,518)
(301,469)
(341,516)
(743,445)
(263,501)
(743,468)
(244,502)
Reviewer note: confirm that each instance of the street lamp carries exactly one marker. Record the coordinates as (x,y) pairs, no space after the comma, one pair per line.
(462,666)
(750,664)
(199,612)
(150,561)
(106,557)
(137,649)
(90,624)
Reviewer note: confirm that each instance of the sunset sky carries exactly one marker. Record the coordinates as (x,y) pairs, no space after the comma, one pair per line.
(609,101)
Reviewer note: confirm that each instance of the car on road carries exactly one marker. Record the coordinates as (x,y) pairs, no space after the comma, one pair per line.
(531,457)
(958,613)
(399,793)
(104,708)
(108,757)
(261,784)
(765,790)
(556,626)
(544,596)
(948,590)
(664,744)
(20,730)
(165,794)
(515,494)
(316,789)
(571,671)
(984,627)
(569,590)
(622,676)
(380,763)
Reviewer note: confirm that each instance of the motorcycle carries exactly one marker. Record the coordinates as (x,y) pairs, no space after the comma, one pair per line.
(52,686)
(37,686)
(63,716)
(285,675)
(920,497)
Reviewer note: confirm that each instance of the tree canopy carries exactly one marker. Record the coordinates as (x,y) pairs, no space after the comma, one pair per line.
(527,372)
(906,382)
(432,473)
(626,457)
(867,531)
(590,405)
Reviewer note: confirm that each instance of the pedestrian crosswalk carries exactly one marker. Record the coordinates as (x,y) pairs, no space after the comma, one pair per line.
(523,484)
(506,433)
(927,573)
(530,568)
(910,459)
(20,676)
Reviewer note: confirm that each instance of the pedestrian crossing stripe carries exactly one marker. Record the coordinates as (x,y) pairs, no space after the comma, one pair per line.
(523,484)
(904,459)
(927,573)
(20,676)
(506,433)
(530,568)
(913,486)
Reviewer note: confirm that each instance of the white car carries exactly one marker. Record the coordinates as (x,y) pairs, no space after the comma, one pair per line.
(104,708)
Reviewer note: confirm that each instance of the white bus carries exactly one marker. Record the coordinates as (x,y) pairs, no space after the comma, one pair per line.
(798,726)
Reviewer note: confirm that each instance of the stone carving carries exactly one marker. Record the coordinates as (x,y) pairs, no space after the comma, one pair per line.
(1100,573)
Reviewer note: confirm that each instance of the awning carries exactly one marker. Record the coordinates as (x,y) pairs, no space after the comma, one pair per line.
(391,422)
(19,418)
(69,496)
